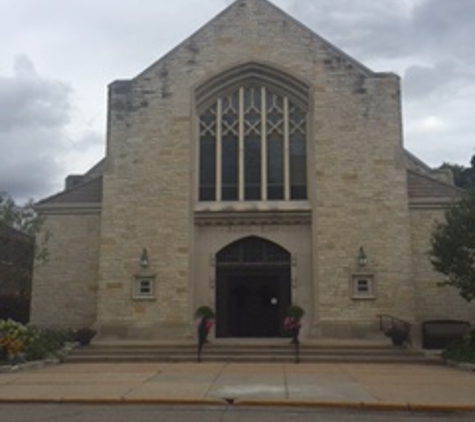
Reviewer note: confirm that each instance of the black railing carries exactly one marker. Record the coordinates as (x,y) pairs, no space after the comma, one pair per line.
(398,330)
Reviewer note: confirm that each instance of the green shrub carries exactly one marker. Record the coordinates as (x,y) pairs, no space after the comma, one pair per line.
(41,343)
(204,312)
(295,312)
(462,350)
(21,343)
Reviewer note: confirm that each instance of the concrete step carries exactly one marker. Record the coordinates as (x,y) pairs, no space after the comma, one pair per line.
(244,353)
(84,351)
(251,359)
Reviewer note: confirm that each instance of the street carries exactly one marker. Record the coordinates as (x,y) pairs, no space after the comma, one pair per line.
(156,413)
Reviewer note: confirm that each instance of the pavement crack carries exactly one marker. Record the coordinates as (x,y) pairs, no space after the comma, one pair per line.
(218,375)
(286,385)
(224,412)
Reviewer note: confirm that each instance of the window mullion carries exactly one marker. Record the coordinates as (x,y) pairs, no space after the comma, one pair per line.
(241,144)
(263,145)
(286,150)
(219,140)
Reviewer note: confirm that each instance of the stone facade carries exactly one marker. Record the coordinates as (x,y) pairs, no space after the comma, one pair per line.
(357,184)
(65,288)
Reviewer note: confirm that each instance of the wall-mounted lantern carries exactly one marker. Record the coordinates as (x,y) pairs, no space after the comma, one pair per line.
(362,258)
(144,258)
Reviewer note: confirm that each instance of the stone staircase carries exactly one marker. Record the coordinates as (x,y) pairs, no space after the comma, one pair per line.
(248,351)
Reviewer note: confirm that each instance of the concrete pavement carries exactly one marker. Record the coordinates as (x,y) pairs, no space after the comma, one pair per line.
(377,386)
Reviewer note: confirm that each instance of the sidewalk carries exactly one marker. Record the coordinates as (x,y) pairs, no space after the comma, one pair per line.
(382,386)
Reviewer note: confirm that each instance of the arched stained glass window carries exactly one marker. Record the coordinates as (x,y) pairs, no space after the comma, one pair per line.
(253,146)
(252,250)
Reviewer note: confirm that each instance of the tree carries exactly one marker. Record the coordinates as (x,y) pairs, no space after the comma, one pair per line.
(24,220)
(464,177)
(453,246)
(19,225)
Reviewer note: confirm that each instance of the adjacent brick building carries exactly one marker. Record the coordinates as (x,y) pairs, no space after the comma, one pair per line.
(254,166)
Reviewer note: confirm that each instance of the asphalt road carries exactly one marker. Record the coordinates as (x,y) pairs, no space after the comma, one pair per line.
(149,413)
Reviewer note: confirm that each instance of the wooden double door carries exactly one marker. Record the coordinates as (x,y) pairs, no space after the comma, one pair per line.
(252,301)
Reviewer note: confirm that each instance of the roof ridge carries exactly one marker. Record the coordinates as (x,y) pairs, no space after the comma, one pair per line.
(417,160)
(268,3)
(96,166)
(332,46)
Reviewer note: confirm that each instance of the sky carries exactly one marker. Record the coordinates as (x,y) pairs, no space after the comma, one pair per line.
(57,58)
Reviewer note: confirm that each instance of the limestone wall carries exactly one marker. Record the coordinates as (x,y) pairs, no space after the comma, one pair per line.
(357,176)
(294,238)
(65,287)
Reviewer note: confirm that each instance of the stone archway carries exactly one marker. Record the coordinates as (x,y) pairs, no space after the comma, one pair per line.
(252,288)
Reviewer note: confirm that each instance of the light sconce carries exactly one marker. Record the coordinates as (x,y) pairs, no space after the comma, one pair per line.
(144,258)
(362,258)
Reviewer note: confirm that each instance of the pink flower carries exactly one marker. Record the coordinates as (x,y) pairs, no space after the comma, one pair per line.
(209,324)
(291,324)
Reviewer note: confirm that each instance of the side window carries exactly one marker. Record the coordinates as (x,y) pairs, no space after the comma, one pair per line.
(144,288)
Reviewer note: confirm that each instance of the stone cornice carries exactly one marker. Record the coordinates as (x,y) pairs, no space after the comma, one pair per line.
(431,203)
(71,209)
(227,218)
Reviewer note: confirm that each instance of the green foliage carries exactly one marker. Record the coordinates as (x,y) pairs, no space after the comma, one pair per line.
(41,343)
(22,218)
(462,350)
(464,177)
(30,343)
(295,312)
(25,220)
(204,311)
(453,246)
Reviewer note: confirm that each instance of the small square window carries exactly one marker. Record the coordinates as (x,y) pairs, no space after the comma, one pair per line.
(144,288)
(362,287)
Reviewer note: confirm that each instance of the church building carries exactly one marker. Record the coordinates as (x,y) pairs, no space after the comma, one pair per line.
(252,167)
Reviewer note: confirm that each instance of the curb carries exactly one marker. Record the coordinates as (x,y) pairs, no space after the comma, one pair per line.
(362,406)
(121,400)
(374,406)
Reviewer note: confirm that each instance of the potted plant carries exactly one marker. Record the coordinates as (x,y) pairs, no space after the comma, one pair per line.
(204,312)
(398,335)
(292,323)
(84,335)
(205,317)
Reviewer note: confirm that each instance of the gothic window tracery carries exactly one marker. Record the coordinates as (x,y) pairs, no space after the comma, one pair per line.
(252,147)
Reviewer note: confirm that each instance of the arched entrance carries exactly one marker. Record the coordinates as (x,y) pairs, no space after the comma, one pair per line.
(252,288)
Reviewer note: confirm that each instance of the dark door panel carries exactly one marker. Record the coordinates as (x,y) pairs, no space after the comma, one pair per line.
(252,302)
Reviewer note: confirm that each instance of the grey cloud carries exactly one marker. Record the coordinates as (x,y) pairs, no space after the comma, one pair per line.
(32,131)
(363,29)
(28,100)
(388,28)
(421,81)
(445,25)
(89,140)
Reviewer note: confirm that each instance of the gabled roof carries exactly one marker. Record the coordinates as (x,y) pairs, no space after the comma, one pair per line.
(422,186)
(235,8)
(416,164)
(95,171)
(89,192)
